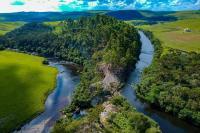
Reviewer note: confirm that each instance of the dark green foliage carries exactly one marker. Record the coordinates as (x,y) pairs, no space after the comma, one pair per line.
(40,39)
(45,62)
(2,47)
(76,40)
(107,40)
(172,82)
(128,120)
(103,40)
(89,123)
(89,42)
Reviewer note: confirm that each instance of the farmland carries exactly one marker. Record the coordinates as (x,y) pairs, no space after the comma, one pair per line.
(172,34)
(8,26)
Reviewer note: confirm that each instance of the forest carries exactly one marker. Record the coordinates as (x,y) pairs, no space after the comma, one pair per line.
(101,45)
(172,82)
(122,118)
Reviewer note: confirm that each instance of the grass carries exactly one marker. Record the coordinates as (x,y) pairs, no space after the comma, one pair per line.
(24,85)
(8,26)
(193,14)
(55,25)
(172,34)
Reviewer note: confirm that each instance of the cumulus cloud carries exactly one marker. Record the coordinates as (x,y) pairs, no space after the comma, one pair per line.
(198,3)
(93,3)
(77,5)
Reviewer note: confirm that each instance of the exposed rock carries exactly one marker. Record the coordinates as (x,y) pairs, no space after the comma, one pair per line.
(111,80)
(108,109)
(110,84)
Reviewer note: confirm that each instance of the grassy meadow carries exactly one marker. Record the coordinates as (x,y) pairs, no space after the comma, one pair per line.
(24,84)
(8,26)
(172,34)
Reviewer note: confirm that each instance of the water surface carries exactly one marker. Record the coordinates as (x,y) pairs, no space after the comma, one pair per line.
(167,122)
(56,101)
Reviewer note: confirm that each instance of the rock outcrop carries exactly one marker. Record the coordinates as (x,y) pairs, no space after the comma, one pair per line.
(108,109)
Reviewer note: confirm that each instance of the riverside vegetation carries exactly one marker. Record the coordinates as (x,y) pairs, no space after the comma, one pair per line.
(107,49)
(172,82)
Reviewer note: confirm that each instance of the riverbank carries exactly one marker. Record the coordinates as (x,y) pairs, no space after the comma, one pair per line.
(56,101)
(175,75)
(25,82)
(106,110)
(167,122)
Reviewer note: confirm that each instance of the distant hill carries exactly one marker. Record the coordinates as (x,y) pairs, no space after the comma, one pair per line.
(144,15)
(141,15)
(41,16)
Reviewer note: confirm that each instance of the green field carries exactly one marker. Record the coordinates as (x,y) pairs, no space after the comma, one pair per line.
(193,14)
(8,26)
(172,34)
(24,85)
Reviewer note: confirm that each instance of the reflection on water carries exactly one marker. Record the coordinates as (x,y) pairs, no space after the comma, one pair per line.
(168,123)
(61,97)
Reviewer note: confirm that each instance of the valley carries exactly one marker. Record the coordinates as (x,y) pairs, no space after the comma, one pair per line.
(139,71)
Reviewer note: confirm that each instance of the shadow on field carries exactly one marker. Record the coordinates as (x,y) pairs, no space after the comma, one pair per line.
(18,95)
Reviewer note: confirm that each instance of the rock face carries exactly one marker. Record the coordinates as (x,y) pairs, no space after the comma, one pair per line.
(111,79)
(108,109)
(110,84)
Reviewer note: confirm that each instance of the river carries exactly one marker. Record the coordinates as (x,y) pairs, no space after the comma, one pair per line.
(67,81)
(167,122)
(56,101)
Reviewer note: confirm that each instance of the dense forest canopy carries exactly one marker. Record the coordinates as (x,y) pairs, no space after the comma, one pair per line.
(172,82)
(74,40)
(105,47)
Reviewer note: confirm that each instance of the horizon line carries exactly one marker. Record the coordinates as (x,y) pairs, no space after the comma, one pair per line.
(102,10)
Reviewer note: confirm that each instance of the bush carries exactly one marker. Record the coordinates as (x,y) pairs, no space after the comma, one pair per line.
(45,62)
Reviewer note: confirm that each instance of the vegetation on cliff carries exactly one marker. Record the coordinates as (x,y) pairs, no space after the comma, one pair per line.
(101,78)
(115,115)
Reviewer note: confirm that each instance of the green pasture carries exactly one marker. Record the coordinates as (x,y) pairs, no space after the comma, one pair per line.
(172,34)
(8,26)
(24,85)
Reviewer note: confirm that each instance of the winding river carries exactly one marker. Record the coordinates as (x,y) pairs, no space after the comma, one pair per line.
(167,122)
(67,81)
(57,100)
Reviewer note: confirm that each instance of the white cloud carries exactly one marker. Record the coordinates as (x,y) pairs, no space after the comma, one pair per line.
(175,3)
(30,5)
(54,5)
(93,3)
(198,3)
(141,1)
(121,3)
(35,5)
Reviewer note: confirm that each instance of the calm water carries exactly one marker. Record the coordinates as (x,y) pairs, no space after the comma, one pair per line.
(168,123)
(67,81)
(60,98)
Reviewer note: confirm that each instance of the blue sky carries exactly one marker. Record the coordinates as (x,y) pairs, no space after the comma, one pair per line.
(79,5)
